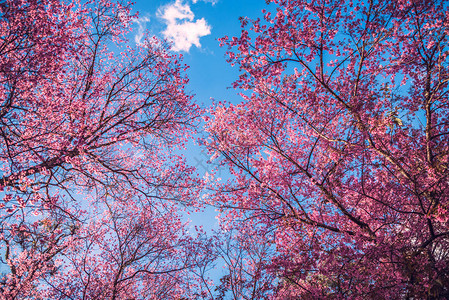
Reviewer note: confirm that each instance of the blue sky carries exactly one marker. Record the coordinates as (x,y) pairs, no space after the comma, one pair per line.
(193,26)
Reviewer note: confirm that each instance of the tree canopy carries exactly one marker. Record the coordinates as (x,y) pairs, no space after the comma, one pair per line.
(339,151)
(337,156)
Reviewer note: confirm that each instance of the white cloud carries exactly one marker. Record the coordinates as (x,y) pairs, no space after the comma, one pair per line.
(213,2)
(182,28)
(141,27)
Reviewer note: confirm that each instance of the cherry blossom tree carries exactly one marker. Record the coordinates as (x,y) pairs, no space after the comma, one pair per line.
(246,256)
(92,193)
(340,151)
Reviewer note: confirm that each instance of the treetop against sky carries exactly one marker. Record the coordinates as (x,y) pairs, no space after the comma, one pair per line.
(336,153)
(194,27)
